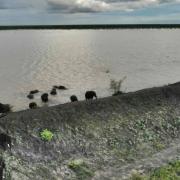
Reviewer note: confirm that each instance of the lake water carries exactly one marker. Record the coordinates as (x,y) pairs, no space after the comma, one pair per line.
(85,60)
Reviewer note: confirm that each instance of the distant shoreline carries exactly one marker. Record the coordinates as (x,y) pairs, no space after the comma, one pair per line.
(91,26)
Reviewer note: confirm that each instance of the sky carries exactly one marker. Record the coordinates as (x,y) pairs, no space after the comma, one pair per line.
(48,12)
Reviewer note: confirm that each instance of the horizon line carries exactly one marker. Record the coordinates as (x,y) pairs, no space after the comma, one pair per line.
(90,26)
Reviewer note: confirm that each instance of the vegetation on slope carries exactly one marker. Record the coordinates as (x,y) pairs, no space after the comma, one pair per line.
(106,134)
(169,172)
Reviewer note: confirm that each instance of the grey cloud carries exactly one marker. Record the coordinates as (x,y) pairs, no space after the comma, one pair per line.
(72,6)
(22,4)
(79,6)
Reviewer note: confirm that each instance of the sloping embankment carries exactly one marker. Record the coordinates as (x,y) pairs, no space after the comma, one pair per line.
(99,139)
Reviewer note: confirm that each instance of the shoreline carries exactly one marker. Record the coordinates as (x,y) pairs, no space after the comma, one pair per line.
(108,98)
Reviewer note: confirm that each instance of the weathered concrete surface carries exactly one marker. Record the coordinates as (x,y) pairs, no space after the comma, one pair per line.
(106,134)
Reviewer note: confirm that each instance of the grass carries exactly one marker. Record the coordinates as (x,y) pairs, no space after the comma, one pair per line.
(81,169)
(169,172)
(46,135)
(158,146)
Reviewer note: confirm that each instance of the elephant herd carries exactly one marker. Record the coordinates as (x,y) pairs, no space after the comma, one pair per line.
(45,96)
(5,108)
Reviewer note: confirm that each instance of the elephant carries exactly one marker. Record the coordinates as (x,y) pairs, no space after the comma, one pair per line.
(5,141)
(53,91)
(44,97)
(90,95)
(34,91)
(30,96)
(60,87)
(5,108)
(73,98)
(32,105)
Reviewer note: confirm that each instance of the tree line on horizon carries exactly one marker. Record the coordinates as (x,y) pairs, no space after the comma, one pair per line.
(91,26)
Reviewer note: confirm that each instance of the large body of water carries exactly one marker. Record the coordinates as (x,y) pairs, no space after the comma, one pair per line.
(80,60)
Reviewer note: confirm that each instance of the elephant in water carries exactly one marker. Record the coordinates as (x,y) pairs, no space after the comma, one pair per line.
(32,105)
(5,108)
(44,97)
(73,98)
(53,91)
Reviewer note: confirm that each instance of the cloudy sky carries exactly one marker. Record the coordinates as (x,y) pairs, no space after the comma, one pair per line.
(17,12)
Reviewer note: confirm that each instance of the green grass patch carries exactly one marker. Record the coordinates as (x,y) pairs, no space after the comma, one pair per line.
(81,169)
(169,172)
(46,135)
